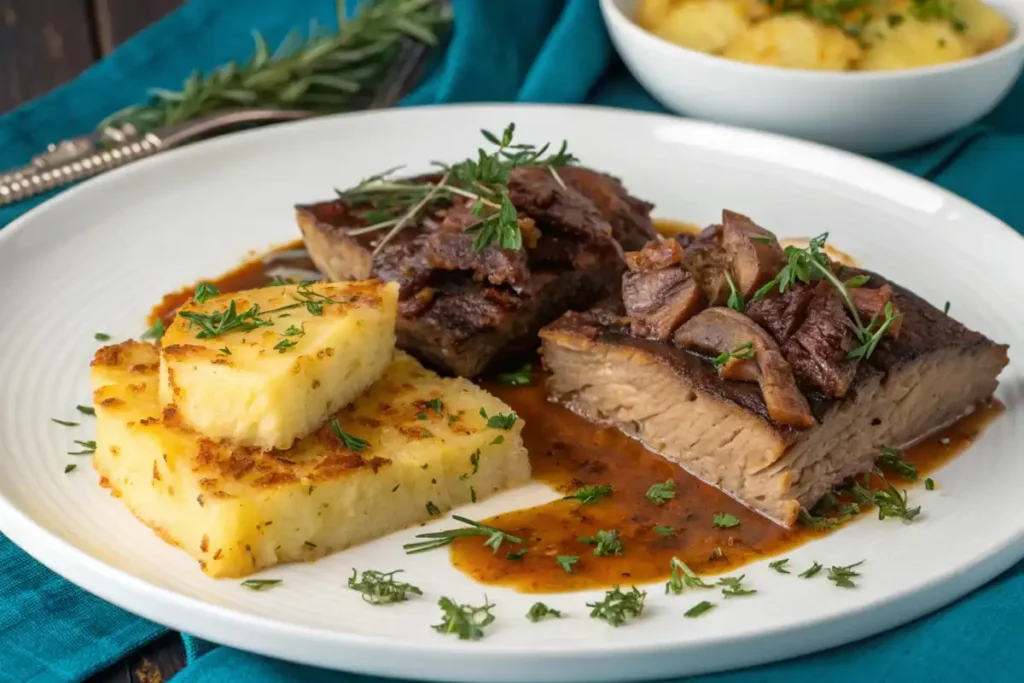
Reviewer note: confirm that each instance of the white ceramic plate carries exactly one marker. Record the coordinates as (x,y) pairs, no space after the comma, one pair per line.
(99,256)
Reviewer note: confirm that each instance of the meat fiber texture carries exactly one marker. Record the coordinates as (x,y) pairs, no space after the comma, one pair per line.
(674,401)
(463,309)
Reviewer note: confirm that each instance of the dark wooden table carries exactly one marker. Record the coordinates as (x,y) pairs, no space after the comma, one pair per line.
(44,43)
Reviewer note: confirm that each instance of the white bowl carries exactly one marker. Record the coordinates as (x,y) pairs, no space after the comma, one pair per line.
(867,112)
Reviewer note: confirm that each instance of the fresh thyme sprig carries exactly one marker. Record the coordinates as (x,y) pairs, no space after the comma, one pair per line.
(810,264)
(439,539)
(465,621)
(617,606)
(843,576)
(322,72)
(381,588)
(394,204)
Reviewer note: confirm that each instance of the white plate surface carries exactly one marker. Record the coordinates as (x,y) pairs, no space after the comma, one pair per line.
(98,257)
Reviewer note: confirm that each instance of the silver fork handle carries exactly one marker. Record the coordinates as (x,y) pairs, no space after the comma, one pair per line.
(31,181)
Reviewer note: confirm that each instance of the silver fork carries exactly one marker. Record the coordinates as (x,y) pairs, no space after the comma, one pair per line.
(90,155)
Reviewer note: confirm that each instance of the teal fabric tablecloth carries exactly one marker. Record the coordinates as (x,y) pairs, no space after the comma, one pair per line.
(499,50)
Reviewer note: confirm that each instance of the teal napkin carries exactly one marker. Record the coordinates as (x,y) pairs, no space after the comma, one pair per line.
(499,50)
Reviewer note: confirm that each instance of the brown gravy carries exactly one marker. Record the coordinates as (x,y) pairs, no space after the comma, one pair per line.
(567,452)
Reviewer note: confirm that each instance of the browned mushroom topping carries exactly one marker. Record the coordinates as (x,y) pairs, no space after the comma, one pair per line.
(705,258)
(659,301)
(722,330)
(655,255)
(755,256)
(870,304)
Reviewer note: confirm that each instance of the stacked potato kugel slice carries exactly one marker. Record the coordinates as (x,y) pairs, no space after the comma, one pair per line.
(281,424)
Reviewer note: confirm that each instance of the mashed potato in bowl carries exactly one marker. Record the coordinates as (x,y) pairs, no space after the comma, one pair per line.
(830,35)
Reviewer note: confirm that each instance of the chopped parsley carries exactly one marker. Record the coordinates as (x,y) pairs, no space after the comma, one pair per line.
(474,460)
(88,448)
(604,542)
(518,555)
(815,568)
(929,484)
(260,584)
(498,440)
(70,468)
(541,611)
(699,609)
(381,588)
(892,458)
(682,578)
(659,494)
(204,292)
(519,378)
(435,404)
(101,336)
(733,586)
(283,345)
(65,423)
(86,410)
(664,530)
(590,494)
(725,521)
(500,420)
(566,562)
(465,621)
(618,607)
(155,331)
(843,576)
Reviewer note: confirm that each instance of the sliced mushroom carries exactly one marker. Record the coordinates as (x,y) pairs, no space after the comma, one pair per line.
(659,301)
(870,304)
(755,256)
(723,330)
(655,255)
(705,258)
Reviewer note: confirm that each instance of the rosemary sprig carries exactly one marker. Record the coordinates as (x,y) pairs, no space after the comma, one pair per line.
(393,204)
(892,458)
(438,539)
(322,72)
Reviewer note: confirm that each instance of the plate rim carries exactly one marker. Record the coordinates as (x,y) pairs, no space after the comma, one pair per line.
(179,611)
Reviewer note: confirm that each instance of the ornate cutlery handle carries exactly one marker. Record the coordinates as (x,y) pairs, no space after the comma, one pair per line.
(45,175)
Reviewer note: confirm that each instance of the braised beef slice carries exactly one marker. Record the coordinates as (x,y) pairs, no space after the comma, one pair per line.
(781,314)
(454,251)
(754,254)
(817,350)
(870,304)
(629,217)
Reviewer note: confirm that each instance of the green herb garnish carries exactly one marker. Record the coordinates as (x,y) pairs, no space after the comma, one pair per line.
(604,542)
(929,485)
(260,584)
(892,458)
(101,336)
(733,588)
(381,588)
(519,378)
(843,576)
(741,352)
(683,577)
(587,495)
(618,607)
(699,609)
(725,521)
(65,423)
(88,448)
(735,301)
(566,562)
(70,468)
(155,331)
(351,442)
(664,530)
(465,621)
(204,292)
(779,565)
(815,568)
(432,509)
(541,611)
(659,494)
(86,410)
